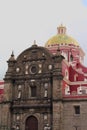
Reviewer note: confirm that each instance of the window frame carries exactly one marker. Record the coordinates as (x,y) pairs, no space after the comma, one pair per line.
(77,109)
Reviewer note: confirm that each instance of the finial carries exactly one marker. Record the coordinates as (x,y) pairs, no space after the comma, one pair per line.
(12,58)
(12,53)
(34,42)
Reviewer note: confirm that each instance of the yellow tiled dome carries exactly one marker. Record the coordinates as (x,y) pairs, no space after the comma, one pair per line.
(61,38)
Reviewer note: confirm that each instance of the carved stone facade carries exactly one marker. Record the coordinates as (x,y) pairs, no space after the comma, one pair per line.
(33,95)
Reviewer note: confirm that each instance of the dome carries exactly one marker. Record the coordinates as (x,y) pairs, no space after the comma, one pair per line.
(61,38)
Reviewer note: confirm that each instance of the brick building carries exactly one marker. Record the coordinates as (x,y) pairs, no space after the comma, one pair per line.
(46,87)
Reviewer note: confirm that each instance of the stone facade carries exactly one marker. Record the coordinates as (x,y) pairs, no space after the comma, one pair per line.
(33,98)
(29,90)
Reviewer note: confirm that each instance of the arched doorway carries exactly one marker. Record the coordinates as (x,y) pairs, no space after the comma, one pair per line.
(31,123)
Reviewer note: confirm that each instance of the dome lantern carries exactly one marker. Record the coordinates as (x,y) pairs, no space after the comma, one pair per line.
(61,29)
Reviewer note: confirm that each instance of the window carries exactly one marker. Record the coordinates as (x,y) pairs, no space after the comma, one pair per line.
(77,109)
(33,91)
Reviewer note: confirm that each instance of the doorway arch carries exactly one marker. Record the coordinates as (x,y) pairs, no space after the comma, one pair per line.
(31,123)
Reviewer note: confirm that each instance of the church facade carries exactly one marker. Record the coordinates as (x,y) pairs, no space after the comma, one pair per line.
(46,87)
(1,90)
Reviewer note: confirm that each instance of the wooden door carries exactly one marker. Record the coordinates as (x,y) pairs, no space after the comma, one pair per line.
(31,123)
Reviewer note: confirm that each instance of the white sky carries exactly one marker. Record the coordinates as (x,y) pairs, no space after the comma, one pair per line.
(23,21)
